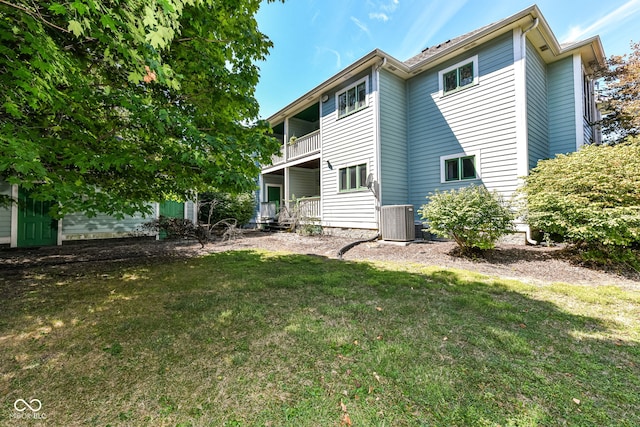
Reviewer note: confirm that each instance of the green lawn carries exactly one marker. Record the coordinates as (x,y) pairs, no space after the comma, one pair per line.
(270,339)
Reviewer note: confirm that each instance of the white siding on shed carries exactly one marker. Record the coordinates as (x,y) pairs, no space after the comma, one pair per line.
(80,227)
(5,214)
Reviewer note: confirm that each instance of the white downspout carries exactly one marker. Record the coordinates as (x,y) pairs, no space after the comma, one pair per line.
(378,145)
(525,158)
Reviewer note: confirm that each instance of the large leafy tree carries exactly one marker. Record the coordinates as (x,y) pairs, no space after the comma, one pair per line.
(621,96)
(106,106)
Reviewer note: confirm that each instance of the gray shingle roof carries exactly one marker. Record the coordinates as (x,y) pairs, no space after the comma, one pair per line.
(433,50)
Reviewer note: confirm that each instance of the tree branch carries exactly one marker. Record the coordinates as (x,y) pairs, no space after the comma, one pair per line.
(188,39)
(34,14)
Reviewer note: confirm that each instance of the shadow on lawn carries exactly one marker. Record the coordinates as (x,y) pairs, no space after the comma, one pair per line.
(445,349)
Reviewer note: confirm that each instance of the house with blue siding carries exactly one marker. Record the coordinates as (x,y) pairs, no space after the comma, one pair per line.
(481,109)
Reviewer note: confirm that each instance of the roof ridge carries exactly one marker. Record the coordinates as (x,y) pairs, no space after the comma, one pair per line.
(432,50)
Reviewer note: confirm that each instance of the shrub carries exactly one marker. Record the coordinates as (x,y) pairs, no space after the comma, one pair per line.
(591,198)
(177,228)
(472,216)
(216,206)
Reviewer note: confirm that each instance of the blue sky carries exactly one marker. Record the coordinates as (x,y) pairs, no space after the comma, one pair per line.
(314,39)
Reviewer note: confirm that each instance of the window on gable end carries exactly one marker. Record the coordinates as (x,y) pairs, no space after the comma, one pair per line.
(352,99)
(459,76)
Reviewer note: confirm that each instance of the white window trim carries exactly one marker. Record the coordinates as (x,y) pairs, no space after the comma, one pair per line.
(443,177)
(346,89)
(441,73)
(347,166)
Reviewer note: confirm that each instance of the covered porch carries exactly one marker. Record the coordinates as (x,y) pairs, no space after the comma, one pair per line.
(300,136)
(291,190)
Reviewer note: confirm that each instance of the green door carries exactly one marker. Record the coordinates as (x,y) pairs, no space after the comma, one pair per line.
(273,196)
(171,209)
(35,226)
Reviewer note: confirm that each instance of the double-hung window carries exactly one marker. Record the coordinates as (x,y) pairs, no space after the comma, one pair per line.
(352,178)
(352,99)
(459,167)
(459,76)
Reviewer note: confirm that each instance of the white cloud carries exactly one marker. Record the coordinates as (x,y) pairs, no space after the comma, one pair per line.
(379,16)
(437,14)
(614,18)
(391,6)
(320,50)
(361,25)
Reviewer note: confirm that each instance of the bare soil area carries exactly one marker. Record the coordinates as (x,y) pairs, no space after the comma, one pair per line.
(534,264)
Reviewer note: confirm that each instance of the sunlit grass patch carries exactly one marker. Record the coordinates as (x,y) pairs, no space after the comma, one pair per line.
(262,338)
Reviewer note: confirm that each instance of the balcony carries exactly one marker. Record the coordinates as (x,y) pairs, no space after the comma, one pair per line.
(300,147)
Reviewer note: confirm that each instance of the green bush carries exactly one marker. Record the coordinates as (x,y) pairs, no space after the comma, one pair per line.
(472,216)
(224,205)
(591,198)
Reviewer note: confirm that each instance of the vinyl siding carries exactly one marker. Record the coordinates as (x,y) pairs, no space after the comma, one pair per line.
(537,114)
(561,107)
(481,118)
(191,211)
(79,227)
(5,213)
(304,182)
(394,181)
(300,128)
(347,141)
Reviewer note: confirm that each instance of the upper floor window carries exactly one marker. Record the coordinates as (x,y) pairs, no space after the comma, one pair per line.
(459,167)
(459,76)
(352,98)
(352,178)
(587,98)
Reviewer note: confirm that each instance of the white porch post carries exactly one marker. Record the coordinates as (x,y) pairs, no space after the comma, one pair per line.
(286,140)
(286,187)
(13,239)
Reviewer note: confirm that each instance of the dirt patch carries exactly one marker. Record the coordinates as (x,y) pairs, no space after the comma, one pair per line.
(534,264)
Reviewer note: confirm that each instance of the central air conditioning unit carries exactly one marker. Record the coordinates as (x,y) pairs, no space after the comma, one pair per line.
(397,223)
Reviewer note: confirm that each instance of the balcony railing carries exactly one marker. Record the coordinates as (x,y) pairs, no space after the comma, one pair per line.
(276,159)
(309,208)
(305,145)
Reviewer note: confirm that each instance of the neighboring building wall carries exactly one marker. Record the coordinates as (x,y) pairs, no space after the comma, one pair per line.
(348,141)
(191,212)
(5,215)
(304,182)
(395,179)
(537,114)
(102,226)
(477,119)
(561,107)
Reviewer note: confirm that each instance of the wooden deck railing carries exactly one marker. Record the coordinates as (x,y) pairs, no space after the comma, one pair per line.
(305,145)
(309,208)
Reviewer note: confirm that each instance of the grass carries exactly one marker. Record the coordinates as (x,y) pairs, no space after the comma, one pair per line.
(270,339)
